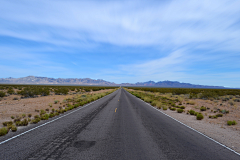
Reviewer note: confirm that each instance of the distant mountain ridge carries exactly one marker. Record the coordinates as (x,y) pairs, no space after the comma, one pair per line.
(89,81)
(46,80)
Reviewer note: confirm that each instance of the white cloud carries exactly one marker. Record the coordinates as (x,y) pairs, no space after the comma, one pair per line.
(168,24)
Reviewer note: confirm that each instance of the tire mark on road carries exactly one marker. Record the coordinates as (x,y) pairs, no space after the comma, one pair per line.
(54,149)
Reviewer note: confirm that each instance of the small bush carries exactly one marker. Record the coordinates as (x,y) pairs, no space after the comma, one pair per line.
(164,108)
(196,113)
(229,123)
(42,112)
(47,109)
(219,115)
(203,108)
(200,116)
(191,102)
(36,116)
(227,111)
(179,110)
(45,117)
(24,122)
(182,107)
(12,117)
(192,112)
(231,103)
(29,115)
(14,128)
(209,116)
(23,115)
(35,120)
(234,122)
(7,123)
(51,115)
(55,102)
(2,94)
(15,98)
(172,108)
(3,131)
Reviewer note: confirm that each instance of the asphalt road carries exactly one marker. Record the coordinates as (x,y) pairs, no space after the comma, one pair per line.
(118,126)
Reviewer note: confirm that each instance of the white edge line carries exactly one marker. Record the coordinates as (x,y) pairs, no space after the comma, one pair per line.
(190,127)
(51,120)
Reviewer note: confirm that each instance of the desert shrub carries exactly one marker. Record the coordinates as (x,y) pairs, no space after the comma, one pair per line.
(234,122)
(227,111)
(29,115)
(3,131)
(179,110)
(182,107)
(164,107)
(36,120)
(229,123)
(209,116)
(51,115)
(61,91)
(192,112)
(231,103)
(191,102)
(14,128)
(147,99)
(12,117)
(53,110)
(172,108)
(203,108)
(196,113)
(199,116)
(237,100)
(23,115)
(2,94)
(219,115)
(10,91)
(36,116)
(24,122)
(154,103)
(47,110)
(44,117)
(7,123)
(15,98)
(42,112)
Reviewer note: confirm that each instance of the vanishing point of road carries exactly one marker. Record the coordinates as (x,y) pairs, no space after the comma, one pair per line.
(118,126)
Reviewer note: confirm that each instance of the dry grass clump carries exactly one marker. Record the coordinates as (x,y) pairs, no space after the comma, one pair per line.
(191,102)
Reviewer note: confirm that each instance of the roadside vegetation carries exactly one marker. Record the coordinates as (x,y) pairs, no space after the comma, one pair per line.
(82,95)
(177,99)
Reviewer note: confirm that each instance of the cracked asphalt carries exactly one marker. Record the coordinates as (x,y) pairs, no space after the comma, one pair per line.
(118,126)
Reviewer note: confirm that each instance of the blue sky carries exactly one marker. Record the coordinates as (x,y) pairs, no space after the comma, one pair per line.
(122,41)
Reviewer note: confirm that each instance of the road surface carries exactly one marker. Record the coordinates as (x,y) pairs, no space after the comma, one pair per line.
(118,126)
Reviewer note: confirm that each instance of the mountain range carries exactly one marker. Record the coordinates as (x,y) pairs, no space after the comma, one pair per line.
(100,82)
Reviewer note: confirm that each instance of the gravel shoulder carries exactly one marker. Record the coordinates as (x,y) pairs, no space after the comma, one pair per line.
(223,134)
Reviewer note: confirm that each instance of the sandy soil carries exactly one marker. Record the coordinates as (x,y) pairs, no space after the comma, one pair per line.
(229,136)
(10,107)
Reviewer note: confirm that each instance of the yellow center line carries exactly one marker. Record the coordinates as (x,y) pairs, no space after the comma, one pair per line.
(116,110)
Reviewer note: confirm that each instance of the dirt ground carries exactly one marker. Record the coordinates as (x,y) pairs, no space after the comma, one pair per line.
(10,107)
(234,111)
